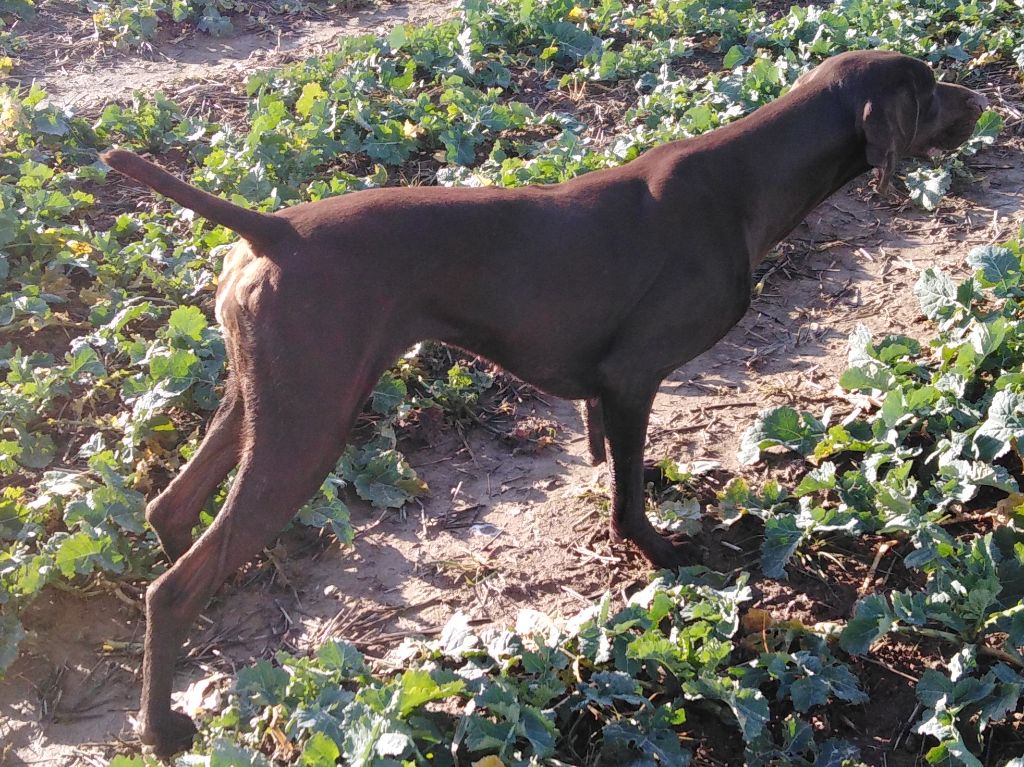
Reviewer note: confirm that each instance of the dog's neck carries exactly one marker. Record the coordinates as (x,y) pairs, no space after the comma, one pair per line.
(807,148)
(786,158)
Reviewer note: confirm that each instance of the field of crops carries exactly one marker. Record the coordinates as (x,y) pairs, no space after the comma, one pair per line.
(855,500)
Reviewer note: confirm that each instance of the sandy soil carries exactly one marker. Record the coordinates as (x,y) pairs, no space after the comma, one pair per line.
(84,76)
(503,529)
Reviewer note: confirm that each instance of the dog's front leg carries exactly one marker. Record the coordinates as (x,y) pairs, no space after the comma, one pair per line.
(625,417)
(593,421)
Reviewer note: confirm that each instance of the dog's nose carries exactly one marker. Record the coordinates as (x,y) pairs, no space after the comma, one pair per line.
(980,99)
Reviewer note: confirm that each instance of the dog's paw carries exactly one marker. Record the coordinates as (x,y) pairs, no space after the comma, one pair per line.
(674,551)
(168,735)
(666,552)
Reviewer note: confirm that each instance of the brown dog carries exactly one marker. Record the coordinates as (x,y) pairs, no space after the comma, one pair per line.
(594,289)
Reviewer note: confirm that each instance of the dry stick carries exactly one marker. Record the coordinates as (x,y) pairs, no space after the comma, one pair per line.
(431,463)
(363,625)
(451,504)
(883,549)
(891,670)
(360,533)
(492,540)
(906,727)
(393,636)
(684,429)
(578,524)
(723,405)
(575,594)
(594,555)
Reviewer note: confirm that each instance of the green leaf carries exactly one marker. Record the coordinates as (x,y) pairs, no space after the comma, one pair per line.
(952,752)
(780,426)
(872,618)
(11,634)
(1004,422)
(782,537)
(751,710)
(989,125)
(418,687)
(311,94)
(342,658)
(393,744)
(85,360)
(837,753)
(937,294)
(622,740)
(36,451)
(385,479)
(263,683)
(320,751)
(187,322)
(389,394)
(927,186)
(869,376)
(735,56)
(127,761)
(399,37)
(934,687)
(987,337)
(80,554)
(809,691)
(998,267)
(225,754)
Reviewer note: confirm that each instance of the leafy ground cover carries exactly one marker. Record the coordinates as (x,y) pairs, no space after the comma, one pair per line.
(111,368)
(124,24)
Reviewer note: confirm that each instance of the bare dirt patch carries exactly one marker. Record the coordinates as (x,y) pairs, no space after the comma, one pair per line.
(63,58)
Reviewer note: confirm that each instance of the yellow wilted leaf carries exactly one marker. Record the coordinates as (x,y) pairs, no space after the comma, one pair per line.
(757,620)
(576,14)
(489,761)
(1009,507)
(11,113)
(411,129)
(78,247)
(6,64)
(311,93)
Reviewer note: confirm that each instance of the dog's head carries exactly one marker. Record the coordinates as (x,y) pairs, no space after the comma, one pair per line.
(901,111)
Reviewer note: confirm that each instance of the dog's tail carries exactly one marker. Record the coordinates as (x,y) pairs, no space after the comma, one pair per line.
(250,224)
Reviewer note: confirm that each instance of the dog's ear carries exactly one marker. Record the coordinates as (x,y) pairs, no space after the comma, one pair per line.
(889,125)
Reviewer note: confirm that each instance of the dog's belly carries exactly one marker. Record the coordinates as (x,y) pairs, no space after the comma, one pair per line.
(574,362)
(559,371)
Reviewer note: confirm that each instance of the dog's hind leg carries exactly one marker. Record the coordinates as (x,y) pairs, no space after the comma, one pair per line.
(593,420)
(175,511)
(288,450)
(626,414)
